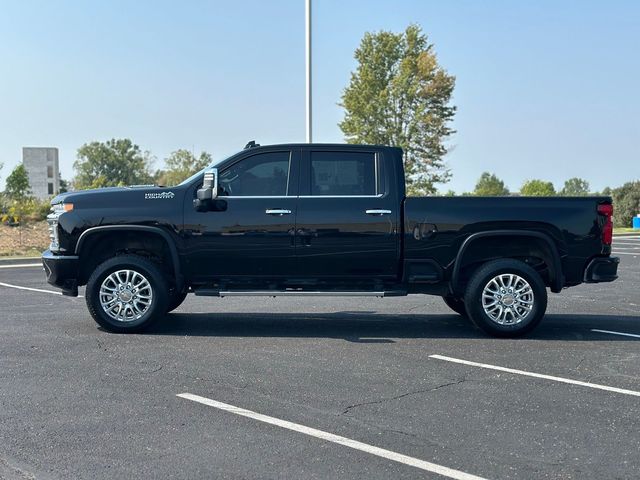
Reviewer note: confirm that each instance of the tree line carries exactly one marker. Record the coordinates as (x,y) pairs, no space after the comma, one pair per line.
(116,162)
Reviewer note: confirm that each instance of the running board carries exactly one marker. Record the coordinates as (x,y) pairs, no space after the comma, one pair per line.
(296,293)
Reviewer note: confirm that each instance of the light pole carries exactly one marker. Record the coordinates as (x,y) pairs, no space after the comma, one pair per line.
(308,65)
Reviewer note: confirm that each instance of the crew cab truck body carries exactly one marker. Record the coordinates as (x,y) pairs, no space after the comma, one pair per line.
(311,219)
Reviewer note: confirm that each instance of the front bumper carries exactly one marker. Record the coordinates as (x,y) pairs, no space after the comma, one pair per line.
(602,269)
(61,272)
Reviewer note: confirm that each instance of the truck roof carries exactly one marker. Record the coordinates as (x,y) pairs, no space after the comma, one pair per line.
(323,145)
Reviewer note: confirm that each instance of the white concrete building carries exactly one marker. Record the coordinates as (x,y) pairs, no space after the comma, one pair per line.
(43,169)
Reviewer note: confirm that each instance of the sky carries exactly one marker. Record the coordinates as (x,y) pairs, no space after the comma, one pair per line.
(544,89)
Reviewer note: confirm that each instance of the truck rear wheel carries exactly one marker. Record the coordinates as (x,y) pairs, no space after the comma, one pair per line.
(126,294)
(456,304)
(506,298)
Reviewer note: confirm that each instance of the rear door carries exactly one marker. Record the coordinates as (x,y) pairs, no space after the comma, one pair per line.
(348,220)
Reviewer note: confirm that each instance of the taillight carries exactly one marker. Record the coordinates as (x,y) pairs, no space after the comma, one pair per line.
(607,229)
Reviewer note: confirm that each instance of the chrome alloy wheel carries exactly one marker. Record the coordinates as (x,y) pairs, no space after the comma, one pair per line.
(125,295)
(507,299)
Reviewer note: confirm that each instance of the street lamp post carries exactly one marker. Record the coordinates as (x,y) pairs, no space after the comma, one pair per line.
(308,65)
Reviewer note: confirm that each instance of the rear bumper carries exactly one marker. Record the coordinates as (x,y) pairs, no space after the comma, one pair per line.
(602,269)
(61,272)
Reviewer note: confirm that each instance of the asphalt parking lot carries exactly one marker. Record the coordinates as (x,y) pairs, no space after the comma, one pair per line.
(320,388)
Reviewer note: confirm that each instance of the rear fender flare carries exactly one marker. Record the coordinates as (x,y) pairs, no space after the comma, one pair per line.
(557,278)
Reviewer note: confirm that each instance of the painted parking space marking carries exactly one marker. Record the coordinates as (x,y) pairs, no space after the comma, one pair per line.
(623,334)
(330,437)
(538,375)
(22,265)
(30,289)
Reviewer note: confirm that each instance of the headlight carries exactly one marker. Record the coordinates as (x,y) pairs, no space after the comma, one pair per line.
(60,208)
(52,219)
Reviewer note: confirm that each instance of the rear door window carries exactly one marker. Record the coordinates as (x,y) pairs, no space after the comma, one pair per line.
(343,173)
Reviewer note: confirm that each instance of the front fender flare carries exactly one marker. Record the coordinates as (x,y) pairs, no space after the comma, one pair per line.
(175,259)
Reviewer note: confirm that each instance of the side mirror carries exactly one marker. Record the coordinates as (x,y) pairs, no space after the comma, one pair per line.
(209,190)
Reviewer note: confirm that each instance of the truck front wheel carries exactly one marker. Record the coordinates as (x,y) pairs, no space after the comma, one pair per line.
(506,298)
(126,294)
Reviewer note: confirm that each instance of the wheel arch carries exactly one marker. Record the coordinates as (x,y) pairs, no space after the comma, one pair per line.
(550,255)
(158,232)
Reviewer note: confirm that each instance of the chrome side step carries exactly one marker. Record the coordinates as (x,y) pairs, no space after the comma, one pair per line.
(296,293)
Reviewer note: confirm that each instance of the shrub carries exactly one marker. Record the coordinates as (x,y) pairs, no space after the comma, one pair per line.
(626,203)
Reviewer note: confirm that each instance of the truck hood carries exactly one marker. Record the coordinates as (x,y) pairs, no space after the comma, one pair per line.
(120,196)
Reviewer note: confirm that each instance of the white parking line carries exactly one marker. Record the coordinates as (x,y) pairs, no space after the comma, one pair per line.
(330,437)
(8,285)
(22,265)
(615,252)
(616,333)
(537,375)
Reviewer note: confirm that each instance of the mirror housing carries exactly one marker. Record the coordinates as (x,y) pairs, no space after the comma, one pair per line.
(208,191)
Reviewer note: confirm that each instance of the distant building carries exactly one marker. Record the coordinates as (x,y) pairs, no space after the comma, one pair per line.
(43,169)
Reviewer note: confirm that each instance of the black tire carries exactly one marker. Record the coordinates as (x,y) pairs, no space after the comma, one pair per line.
(456,304)
(175,300)
(518,319)
(140,319)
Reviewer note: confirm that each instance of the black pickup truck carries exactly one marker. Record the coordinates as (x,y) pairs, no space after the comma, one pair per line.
(312,219)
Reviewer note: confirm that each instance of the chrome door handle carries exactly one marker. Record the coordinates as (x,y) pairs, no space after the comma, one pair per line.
(377,212)
(277,211)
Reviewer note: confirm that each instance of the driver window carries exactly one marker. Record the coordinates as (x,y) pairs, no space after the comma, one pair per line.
(264,174)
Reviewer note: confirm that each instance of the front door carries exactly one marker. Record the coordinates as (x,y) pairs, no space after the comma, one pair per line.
(347,220)
(251,232)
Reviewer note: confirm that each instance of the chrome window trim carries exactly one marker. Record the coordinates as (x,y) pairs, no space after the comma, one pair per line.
(376,161)
(224,197)
(380,195)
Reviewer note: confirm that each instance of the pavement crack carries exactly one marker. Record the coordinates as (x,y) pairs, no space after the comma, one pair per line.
(397,397)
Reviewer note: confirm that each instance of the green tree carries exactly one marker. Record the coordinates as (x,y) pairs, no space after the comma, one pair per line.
(64,185)
(489,185)
(626,203)
(537,188)
(18,184)
(399,95)
(181,164)
(575,187)
(112,163)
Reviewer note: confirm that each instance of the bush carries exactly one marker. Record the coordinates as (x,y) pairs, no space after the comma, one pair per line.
(626,203)
(14,212)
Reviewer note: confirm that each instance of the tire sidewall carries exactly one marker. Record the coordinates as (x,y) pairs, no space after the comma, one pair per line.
(145,268)
(473,298)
